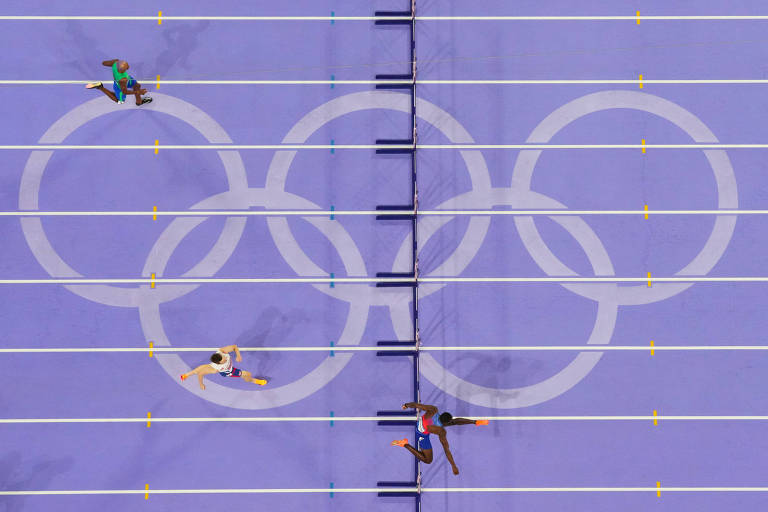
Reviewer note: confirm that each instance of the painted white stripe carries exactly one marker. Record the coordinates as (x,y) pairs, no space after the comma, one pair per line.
(364,280)
(286,147)
(533,348)
(618,418)
(408,82)
(291,147)
(385,489)
(373,18)
(229,419)
(206,491)
(287,419)
(325,213)
(594,489)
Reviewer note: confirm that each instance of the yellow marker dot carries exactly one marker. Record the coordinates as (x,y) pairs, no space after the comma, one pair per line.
(646,212)
(638,17)
(658,489)
(157,149)
(146,494)
(641,81)
(651,347)
(154,209)
(655,418)
(149,417)
(649,279)
(152,345)
(158,81)
(159,17)
(152,284)
(642,143)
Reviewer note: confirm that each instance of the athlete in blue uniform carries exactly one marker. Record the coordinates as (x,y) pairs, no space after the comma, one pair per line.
(122,81)
(432,423)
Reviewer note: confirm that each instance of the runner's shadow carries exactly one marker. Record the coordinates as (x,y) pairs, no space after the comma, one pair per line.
(271,328)
(181,41)
(83,51)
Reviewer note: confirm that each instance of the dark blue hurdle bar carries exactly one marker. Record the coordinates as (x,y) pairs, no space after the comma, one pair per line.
(396,284)
(404,14)
(407,494)
(395,151)
(401,216)
(403,423)
(410,345)
(395,77)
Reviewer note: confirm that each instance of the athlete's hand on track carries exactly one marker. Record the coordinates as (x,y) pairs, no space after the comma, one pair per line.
(238,358)
(202,386)
(404,407)
(455,470)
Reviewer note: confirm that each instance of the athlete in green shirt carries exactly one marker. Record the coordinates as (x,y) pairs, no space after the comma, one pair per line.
(122,81)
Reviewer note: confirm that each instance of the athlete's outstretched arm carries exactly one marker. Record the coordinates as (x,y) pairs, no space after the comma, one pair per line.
(429,409)
(109,63)
(448,454)
(231,348)
(460,421)
(201,371)
(204,370)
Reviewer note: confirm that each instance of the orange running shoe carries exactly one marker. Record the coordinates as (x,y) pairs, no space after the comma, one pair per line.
(481,422)
(183,378)
(261,382)
(400,442)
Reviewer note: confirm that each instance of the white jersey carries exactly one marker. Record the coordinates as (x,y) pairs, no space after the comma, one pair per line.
(225,366)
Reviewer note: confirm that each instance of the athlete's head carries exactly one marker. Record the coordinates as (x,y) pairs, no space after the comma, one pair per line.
(216,358)
(445,418)
(122,66)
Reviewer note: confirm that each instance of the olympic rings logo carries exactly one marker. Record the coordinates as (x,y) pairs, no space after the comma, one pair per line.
(361,298)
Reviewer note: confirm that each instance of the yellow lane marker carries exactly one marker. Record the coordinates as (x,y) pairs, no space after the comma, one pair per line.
(652,347)
(152,345)
(658,489)
(641,81)
(646,212)
(146,494)
(655,419)
(649,279)
(638,17)
(157,149)
(154,209)
(149,419)
(159,17)
(158,81)
(152,284)
(642,141)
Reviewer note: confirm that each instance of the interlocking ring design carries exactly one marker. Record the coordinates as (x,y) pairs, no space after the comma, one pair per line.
(361,297)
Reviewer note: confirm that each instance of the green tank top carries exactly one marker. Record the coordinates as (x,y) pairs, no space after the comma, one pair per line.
(116,75)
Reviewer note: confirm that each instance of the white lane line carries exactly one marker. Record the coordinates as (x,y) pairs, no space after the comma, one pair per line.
(594,489)
(206,491)
(393,18)
(292,147)
(336,348)
(288,419)
(408,82)
(368,280)
(229,419)
(325,213)
(385,489)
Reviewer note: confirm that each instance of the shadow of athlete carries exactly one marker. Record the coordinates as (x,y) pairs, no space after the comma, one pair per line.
(121,82)
(432,423)
(221,363)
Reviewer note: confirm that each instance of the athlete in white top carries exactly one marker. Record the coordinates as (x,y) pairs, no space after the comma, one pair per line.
(221,363)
